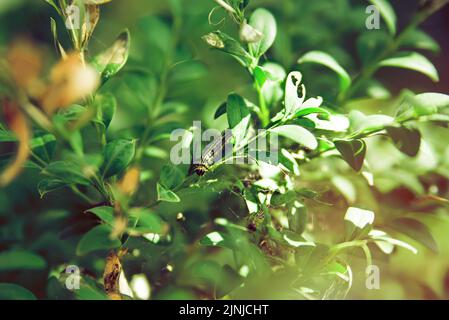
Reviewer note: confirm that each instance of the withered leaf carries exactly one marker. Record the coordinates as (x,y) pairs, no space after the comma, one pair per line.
(113,59)
(17,123)
(71,80)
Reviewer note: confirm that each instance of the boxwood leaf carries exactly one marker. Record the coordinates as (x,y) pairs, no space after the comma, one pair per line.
(107,105)
(417,231)
(171,176)
(328,61)
(353,152)
(21,260)
(111,61)
(48,185)
(238,117)
(166,195)
(105,214)
(407,140)
(118,154)
(297,134)
(43,146)
(10,291)
(412,61)
(98,238)
(264,22)
(69,172)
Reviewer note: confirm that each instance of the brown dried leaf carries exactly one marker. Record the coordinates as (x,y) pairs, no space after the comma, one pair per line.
(71,80)
(88,27)
(25,63)
(129,183)
(17,123)
(111,276)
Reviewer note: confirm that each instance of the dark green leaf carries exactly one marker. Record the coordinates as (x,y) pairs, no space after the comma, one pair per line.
(166,195)
(105,214)
(353,152)
(95,239)
(171,176)
(43,146)
(68,172)
(407,140)
(107,104)
(220,111)
(417,231)
(48,185)
(279,199)
(21,260)
(221,41)
(10,291)
(118,154)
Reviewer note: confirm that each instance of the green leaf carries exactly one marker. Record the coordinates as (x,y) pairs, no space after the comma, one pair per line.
(216,239)
(264,22)
(412,61)
(43,146)
(358,223)
(105,214)
(107,105)
(171,176)
(53,4)
(353,152)
(238,117)
(417,231)
(157,32)
(322,58)
(48,185)
(287,161)
(418,39)
(187,71)
(98,238)
(7,136)
(379,235)
(118,154)
(279,199)
(221,41)
(68,172)
(166,195)
(260,75)
(220,111)
(272,89)
(307,111)
(21,260)
(407,140)
(293,99)
(10,291)
(113,59)
(297,218)
(387,13)
(148,221)
(430,103)
(297,134)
